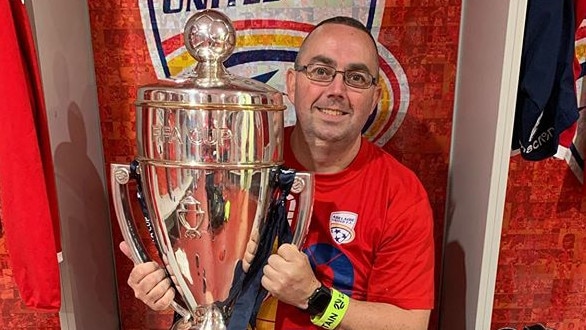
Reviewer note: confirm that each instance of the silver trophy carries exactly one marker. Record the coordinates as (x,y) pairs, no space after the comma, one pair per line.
(209,175)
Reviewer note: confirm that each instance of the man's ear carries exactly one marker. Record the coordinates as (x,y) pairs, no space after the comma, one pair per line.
(375,97)
(290,82)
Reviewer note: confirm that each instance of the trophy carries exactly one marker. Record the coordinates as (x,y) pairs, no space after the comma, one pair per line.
(209,178)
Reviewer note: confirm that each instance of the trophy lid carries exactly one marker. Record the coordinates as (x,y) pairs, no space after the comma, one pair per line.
(210,38)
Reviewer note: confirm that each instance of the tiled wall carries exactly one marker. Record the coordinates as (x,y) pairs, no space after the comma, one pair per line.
(541,274)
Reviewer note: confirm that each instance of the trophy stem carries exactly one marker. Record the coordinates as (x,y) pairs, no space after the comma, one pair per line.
(207,318)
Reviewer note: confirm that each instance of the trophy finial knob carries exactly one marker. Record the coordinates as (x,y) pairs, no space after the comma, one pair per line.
(209,36)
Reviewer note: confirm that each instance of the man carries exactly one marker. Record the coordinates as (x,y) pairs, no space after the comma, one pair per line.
(370,242)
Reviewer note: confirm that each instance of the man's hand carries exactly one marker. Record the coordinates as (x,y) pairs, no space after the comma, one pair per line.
(288,276)
(150,283)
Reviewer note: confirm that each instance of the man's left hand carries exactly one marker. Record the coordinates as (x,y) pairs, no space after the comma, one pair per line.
(288,276)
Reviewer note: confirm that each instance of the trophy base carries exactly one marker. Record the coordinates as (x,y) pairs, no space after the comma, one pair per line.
(208,318)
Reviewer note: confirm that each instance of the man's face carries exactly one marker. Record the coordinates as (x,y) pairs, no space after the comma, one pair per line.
(334,111)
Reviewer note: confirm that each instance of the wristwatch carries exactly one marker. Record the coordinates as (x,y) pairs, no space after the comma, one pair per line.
(319,300)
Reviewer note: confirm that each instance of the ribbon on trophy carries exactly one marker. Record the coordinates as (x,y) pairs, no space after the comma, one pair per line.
(247,293)
(134,165)
(180,311)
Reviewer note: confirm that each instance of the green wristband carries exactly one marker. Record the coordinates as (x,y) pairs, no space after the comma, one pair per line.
(335,311)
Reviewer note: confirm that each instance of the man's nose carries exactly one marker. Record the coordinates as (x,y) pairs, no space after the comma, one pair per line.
(338,86)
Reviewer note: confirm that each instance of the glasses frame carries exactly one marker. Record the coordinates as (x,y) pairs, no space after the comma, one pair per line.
(303,68)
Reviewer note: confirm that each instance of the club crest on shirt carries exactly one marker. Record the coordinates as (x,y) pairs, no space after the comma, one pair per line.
(342,225)
(269,33)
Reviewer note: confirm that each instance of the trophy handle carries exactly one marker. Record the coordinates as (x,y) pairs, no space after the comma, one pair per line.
(119,177)
(303,187)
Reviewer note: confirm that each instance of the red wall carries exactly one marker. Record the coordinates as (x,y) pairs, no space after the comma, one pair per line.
(541,274)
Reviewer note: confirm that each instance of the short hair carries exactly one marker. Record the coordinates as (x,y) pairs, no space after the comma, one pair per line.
(342,20)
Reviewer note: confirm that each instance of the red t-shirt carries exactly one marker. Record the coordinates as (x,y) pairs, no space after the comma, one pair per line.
(370,236)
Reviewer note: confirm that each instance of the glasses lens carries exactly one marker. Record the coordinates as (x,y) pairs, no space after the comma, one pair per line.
(358,79)
(320,72)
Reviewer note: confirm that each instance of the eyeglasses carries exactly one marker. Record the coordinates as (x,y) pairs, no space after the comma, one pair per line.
(325,73)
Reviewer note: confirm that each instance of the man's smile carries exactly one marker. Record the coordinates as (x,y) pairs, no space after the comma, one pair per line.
(331,112)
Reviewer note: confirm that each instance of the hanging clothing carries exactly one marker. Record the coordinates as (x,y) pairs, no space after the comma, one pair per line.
(572,147)
(546,99)
(27,182)
(573,140)
(578,150)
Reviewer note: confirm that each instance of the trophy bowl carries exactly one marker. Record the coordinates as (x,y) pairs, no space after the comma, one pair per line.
(209,175)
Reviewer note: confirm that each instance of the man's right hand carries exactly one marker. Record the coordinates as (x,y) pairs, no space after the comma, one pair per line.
(150,283)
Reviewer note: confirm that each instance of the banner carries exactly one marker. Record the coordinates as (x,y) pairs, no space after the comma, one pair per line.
(268,36)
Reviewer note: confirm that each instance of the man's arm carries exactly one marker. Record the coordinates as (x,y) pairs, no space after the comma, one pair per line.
(288,276)
(371,315)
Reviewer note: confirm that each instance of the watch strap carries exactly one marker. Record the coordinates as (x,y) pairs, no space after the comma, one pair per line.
(334,313)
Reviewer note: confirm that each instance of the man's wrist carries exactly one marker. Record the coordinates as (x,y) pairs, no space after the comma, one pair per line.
(319,300)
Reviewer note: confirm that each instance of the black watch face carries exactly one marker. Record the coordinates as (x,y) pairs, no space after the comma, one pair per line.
(319,301)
